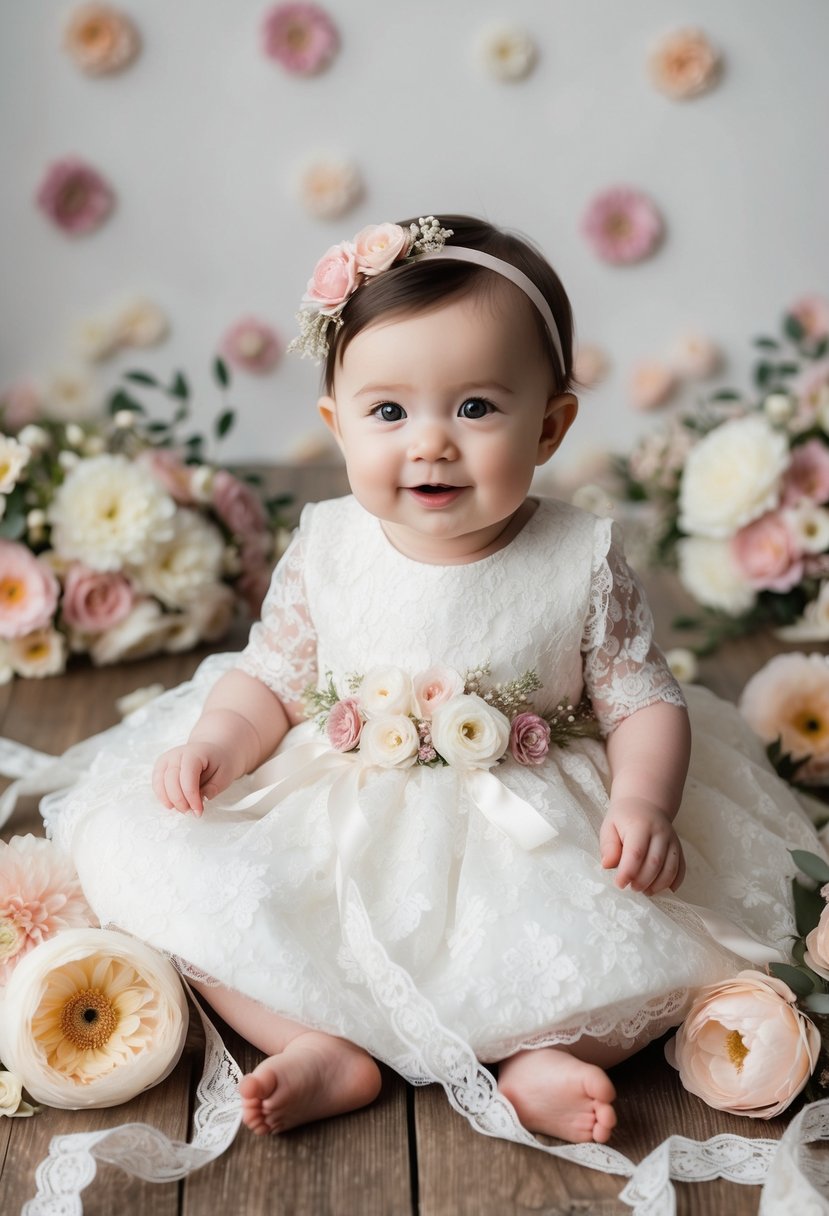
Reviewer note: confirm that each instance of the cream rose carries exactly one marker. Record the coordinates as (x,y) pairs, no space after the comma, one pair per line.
(469,733)
(390,742)
(11,1097)
(707,570)
(745,1047)
(379,245)
(732,476)
(385,690)
(435,687)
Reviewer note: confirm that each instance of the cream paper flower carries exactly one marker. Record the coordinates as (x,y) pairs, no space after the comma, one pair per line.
(329,188)
(385,690)
(181,568)
(91,1018)
(391,741)
(131,702)
(140,323)
(695,356)
(14,457)
(469,733)
(110,512)
(95,339)
(809,525)
(70,395)
(508,53)
(206,619)
(706,569)
(732,476)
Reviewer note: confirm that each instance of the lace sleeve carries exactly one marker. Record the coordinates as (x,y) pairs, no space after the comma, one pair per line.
(624,669)
(282,648)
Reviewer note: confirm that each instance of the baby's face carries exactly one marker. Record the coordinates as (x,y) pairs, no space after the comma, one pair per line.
(442,417)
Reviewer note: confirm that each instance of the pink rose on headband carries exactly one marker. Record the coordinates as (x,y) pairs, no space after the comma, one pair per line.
(379,245)
(335,278)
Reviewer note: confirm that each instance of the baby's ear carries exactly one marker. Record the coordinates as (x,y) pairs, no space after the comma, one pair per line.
(328,412)
(558,418)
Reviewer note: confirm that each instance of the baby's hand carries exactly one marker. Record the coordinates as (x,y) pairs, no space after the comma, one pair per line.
(184,776)
(640,839)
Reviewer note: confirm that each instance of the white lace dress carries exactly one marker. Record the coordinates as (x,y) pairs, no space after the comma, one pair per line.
(386,906)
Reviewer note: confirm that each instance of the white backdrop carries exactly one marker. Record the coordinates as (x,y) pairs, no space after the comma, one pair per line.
(202,139)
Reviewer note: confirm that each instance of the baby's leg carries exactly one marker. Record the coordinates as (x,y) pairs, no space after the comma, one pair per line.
(307,1075)
(564,1091)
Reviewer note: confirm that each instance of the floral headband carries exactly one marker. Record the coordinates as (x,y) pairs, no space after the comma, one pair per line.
(345,267)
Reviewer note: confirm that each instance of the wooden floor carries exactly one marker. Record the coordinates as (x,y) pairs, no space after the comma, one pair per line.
(408,1153)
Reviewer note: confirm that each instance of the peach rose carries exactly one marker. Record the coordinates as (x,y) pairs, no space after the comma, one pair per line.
(335,278)
(238,505)
(28,591)
(808,473)
(817,942)
(684,64)
(101,39)
(745,1047)
(379,245)
(435,687)
(652,383)
(95,600)
(765,554)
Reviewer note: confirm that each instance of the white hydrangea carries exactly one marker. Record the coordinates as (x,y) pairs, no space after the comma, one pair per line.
(110,513)
(181,568)
(732,476)
(708,572)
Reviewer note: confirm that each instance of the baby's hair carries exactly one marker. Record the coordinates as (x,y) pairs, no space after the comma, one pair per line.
(417,286)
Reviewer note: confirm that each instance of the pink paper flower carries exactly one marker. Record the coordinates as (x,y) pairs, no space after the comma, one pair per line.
(28,591)
(302,37)
(813,314)
(684,64)
(529,739)
(590,366)
(330,187)
(622,225)
(652,383)
(251,345)
(379,245)
(74,196)
(100,39)
(334,279)
(788,699)
(40,894)
(766,555)
(345,725)
(808,473)
(238,506)
(95,600)
(20,405)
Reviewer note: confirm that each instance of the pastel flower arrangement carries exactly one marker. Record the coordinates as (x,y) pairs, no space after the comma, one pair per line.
(118,539)
(440,717)
(89,1017)
(739,491)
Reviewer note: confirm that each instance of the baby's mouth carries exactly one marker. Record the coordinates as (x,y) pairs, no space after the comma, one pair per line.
(440,488)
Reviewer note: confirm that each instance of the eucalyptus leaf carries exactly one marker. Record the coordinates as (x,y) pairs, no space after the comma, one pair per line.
(812,865)
(725,394)
(221,372)
(224,423)
(141,378)
(793,328)
(767,343)
(121,400)
(180,388)
(13,523)
(798,981)
(808,906)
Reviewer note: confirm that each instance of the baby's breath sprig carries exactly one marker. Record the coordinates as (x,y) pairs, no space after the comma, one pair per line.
(313,338)
(513,697)
(428,236)
(570,721)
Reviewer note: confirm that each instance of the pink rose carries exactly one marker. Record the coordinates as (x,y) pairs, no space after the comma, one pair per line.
(74,196)
(808,473)
(170,472)
(28,591)
(345,725)
(95,600)
(435,687)
(529,739)
(335,278)
(765,554)
(379,245)
(238,505)
(813,314)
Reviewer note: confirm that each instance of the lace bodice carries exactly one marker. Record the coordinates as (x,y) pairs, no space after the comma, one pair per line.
(559,599)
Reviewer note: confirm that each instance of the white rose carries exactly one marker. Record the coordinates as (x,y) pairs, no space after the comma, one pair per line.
(732,476)
(70,393)
(809,525)
(469,733)
(391,742)
(11,1097)
(140,323)
(385,690)
(183,567)
(435,687)
(683,664)
(707,571)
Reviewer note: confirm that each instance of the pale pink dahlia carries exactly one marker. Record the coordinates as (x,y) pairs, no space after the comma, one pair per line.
(74,196)
(40,894)
(251,345)
(622,225)
(302,37)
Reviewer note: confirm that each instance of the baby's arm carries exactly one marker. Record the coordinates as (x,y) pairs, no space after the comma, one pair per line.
(240,726)
(648,753)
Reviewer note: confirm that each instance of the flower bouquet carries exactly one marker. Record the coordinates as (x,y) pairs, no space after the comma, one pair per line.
(119,539)
(739,491)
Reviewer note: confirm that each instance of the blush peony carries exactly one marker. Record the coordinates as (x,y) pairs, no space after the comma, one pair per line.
(28,591)
(766,554)
(345,725)
(334,279)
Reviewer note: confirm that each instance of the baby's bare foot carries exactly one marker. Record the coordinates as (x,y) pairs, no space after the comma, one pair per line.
(558,1095)
(315,1076)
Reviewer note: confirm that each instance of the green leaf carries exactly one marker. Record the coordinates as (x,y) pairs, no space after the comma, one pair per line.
(182,412)
(798,981)
(817,1002)
(762,374)
(793,328)
(141,378)
(808,906)
(121,400)
(799,950)
(180,387)
(812,865)
(767,343)
(788,369)
(158,428)
(220,372)
(224,422)
(820,348)
(13,523)
(725,394)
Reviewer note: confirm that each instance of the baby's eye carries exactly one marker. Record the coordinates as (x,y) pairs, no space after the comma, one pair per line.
(475,407)
(389,411)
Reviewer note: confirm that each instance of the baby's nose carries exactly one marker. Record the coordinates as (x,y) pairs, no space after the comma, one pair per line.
(432,441)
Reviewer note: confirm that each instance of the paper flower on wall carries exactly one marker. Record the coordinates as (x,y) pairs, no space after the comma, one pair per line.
(622,225)
(812,314)
(100,39)
(652,384)
(684,64)
(508,53)
(252,346)
(20,404)
(695,357)
(590,366)
(302,37)
(74,196)
(138,323)
(330,188)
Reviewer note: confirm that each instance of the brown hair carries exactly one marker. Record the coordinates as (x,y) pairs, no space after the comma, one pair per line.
(417,286)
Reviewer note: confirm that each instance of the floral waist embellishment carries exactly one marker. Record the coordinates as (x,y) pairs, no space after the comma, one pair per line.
(440,717)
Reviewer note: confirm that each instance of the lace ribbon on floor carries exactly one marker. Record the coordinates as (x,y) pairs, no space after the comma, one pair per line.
(795,1176)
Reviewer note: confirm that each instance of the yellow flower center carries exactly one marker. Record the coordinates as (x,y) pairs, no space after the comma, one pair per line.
(36,648)
(809,723)
(470,730)
(88,1019)
(5,468)
(11,936)
(735,1049)
(12,590)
